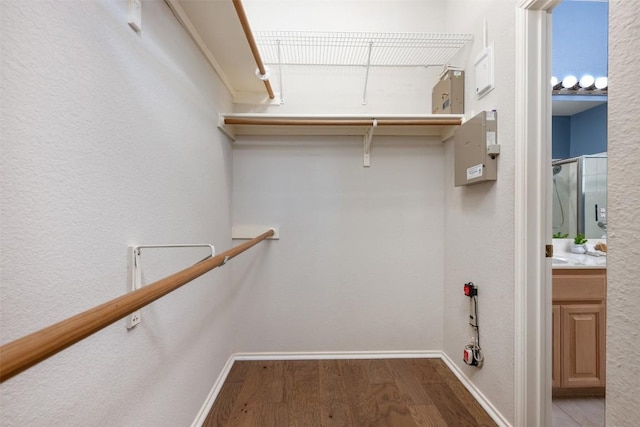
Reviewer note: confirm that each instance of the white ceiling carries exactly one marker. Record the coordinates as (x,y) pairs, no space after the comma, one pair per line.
(216,29)
(569,108)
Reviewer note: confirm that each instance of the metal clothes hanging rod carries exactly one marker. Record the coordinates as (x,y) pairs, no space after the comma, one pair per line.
(27,351)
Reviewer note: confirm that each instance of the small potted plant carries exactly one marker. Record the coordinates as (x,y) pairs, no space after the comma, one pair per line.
(579,244)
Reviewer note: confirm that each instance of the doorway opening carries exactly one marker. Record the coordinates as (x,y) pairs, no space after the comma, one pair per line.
(578,199)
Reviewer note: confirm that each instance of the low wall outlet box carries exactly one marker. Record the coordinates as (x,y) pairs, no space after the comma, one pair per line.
(484,72)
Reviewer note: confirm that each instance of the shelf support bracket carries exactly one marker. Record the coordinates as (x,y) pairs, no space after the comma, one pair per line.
(366,77)
(280,73)
(368,137)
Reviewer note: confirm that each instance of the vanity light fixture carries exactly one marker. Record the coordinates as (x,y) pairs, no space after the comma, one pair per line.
(570,82)
(587,82)
(601,83)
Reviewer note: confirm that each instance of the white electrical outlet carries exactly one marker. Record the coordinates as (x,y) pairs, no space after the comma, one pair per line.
(135,15)
(133,320)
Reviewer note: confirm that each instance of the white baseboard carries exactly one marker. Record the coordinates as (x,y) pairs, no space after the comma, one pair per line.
(322,355)
(492,411)
(217,385)
(482,400)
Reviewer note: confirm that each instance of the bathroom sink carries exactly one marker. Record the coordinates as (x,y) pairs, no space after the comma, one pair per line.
(558,260)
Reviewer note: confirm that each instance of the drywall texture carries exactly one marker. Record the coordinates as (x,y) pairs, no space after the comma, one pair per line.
(359,263)
(479,221)
(623,270)
(109,138)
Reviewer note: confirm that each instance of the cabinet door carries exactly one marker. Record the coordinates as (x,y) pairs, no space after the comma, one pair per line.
(583,345)
(556,343)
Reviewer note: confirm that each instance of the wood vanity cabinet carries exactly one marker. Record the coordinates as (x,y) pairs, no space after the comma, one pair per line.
(579,304)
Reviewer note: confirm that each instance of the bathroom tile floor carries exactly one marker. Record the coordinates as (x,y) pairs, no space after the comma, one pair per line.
(578,412)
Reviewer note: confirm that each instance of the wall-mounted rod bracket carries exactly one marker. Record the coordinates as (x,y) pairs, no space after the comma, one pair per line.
(135,269)
(368,137)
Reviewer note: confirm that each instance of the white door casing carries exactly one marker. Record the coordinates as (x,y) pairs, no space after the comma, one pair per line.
(532,382)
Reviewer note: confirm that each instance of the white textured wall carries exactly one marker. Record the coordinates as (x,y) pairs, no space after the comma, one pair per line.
(359,266)
(479,223)
(108,138)
(623,270)
(359,263)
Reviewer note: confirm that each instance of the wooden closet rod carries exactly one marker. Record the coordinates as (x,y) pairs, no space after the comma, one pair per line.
(27,351)
(252,44)
(339,122)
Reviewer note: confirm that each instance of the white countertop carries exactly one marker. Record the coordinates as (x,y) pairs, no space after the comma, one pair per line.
(564,259)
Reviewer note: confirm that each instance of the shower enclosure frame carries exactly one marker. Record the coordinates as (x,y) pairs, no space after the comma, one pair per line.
(581,185)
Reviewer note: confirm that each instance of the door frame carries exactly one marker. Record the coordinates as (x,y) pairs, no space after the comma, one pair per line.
(532,358)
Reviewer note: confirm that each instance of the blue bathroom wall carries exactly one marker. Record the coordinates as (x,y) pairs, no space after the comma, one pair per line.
(561,131)
(589,132)
(580,38)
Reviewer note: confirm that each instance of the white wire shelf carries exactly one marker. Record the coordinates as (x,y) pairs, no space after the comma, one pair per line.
(359,49)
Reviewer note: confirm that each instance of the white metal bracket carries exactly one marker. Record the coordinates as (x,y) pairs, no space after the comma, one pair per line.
(368,137)
(135,270)
(366,77)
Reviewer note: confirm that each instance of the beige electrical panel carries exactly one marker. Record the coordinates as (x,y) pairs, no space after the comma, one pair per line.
(476,148)
(447,96)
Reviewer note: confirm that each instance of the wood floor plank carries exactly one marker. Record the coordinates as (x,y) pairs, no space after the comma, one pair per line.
(427,371)
(373,404)
(345,393)
(263,383)
(448,405)
(334,407)
(427,416)
(378,371)
(302,386)
(238,371)
(463,395)
(356,383)
(274,414)
(221,411)
(273,380)
(392,408)
(405,378)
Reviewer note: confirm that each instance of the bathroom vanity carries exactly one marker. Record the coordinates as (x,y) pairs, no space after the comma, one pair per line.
(579,307)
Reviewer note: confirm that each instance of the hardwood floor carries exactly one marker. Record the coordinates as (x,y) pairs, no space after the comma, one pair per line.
(376,392)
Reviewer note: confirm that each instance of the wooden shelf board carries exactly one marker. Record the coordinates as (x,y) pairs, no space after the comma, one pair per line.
(345,125)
